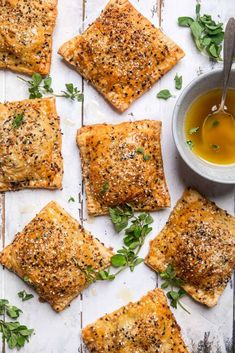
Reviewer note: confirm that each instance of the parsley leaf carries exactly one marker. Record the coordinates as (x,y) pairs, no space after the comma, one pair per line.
(25,296)
(105,188)
(135,234)
(15,334)
(178,81)
(207,34)
(71,199)
(18,119)
(120,216)
(39,86)
(215,147)
(171,280)
(72,93)
(190,144)
(215,123)
(146,157)
(193,130)
(12,311)
(164,94)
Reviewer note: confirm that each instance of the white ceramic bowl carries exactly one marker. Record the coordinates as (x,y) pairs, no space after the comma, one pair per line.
(220,173)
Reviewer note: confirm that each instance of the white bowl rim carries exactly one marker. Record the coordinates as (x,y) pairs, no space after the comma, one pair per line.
(178,143)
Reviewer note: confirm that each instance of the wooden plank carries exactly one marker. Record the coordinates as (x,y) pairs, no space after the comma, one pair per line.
(53,332)
(217,322)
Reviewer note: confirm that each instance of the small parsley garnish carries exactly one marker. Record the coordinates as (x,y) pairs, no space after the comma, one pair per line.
(215,123)
(39,86)
(72,93)
(171,280)
(146,157)
(105,188)
(190,144)
(164,94)
(71,199)
(25,296)
(193,130)
(215,147)
(18,119)
(178,81)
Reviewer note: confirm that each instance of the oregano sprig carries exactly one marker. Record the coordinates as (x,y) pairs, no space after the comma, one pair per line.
(171,280)
(15,334)
(207,34)
(128,255)
(39,87)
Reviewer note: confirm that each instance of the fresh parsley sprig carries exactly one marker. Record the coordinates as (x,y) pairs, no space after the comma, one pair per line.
(171,280)
(207,34)
(39,86)
(12,311)
(15,334)
(127,256)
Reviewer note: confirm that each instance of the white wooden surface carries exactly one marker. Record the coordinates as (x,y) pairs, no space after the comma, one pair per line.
(205,330)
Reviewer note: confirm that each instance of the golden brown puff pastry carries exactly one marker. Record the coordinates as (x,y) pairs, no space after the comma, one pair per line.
(30,148)
(53,254)
(199,241)
(123,164)
(26,28)
(122,54)
(147,326)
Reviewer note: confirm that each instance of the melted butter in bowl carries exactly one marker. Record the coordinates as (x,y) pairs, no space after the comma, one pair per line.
(215,142)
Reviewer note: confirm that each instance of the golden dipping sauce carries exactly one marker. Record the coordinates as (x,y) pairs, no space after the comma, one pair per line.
(215,142)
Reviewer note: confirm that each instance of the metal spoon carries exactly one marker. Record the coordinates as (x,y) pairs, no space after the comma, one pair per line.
(229,51)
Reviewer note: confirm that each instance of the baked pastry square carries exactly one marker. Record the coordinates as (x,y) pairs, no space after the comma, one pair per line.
(53,254)
(26,28)
(30,140)
(199,242)
(123,164)
(122,54)
(147,326)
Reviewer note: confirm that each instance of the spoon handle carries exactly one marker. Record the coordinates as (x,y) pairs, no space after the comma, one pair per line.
(229,51)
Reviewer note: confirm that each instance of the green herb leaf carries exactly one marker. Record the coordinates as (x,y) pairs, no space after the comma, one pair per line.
(194,130)
(190,144)
(72,93)
(12,311)
(118,260)
(185,21)
(207,34)
(171,280)
(25,296)
(120,216)
(38,87)
(215,123)
(18,120)
(15,334)
(71,199)
(164,94)
(146,157)
(140,150)
(105,188)
(215,147)
(178,81)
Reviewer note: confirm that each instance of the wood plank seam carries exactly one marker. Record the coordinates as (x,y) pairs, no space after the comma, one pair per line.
(81,194)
